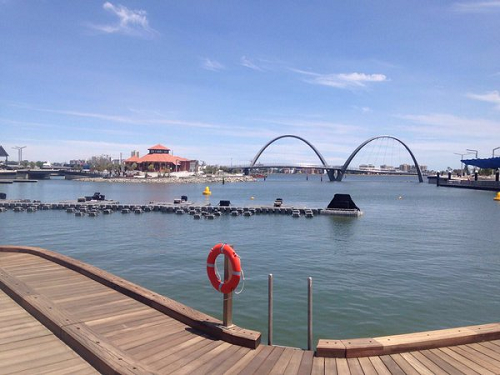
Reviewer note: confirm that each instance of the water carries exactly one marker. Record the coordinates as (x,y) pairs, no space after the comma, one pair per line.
(430,260)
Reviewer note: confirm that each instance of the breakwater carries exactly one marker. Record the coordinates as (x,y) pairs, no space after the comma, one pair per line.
(172,180)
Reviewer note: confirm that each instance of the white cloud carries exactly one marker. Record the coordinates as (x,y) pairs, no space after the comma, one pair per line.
(489,97)
(476,6)
(342,80)
(212,65)
(130,22)
(249,64)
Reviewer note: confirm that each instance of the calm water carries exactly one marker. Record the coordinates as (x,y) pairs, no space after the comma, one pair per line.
(427,261)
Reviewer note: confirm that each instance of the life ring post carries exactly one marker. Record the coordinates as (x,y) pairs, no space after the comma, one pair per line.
(228,283)
(227,304)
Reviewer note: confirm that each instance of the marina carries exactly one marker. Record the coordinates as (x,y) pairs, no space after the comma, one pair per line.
(353,261)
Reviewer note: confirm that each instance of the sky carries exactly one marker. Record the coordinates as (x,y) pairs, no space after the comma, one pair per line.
(216,80)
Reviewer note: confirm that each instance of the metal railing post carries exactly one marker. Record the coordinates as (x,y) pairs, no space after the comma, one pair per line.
(270,310)
(227,304)
(309,314)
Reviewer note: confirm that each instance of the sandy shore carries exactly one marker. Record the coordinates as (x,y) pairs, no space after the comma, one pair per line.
(172,180)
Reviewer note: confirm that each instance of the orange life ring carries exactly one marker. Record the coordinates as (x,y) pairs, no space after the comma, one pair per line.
(234,268)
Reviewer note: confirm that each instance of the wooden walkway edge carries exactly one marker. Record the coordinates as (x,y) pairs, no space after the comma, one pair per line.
(365,347)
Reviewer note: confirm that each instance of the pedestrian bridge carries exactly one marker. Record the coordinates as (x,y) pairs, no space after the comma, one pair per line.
(335,173)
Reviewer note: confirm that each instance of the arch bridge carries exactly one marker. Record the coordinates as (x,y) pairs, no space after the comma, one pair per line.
(335,173)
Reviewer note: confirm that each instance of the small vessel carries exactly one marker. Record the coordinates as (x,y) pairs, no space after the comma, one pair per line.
(342,205)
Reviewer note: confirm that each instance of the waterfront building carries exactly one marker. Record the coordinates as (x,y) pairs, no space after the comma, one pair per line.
(159,159)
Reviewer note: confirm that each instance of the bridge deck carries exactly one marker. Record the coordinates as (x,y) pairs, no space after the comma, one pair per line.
(116,333)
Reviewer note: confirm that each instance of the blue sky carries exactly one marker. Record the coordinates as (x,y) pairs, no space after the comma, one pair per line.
(216,80)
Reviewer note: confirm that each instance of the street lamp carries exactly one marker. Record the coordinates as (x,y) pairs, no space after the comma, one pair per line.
(461,158)
(493,153)
(19,152)
(475,151)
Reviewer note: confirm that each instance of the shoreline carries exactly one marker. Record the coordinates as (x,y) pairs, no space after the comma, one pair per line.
(171,180)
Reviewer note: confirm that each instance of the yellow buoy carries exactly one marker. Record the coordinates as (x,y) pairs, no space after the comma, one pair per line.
(252,198)
(207,191)
(497,197)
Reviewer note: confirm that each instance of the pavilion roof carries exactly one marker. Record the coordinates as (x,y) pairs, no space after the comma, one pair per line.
(133,159)
(158,147)
(161,158)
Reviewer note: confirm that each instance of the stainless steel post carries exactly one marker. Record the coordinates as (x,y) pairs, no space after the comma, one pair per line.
(309,314)
(270,310)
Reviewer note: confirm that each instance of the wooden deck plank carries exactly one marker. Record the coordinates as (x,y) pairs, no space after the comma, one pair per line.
(380,367)
(240,365)
(162,346)
(18,348)
(354,366)
(73,366)
(432,366)
(485,352)
(294,364)
(42,358)
(170,352)
(190,357)
(449,365)
(32,353)
(403,364)
(129,340)
(240,353)
(463,360)
(475,357)
(415,363)
(218,360)
(342,366)
(270,361)
(186,349)
(492,348)
(282,362)
(392,365)
(330,366)
(318,367)
(367,366)
(257,361)
(306,362)
(193,366)
(124,322)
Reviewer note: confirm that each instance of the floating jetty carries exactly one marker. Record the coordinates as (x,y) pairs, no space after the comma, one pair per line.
(60,315)
(179,207)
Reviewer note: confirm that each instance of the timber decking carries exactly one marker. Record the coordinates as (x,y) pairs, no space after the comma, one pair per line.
(26,346)
(115,330)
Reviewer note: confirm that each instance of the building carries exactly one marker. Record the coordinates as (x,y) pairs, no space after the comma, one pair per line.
(159,159)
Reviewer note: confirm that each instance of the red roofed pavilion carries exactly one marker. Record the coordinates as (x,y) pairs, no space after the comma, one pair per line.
(160,159)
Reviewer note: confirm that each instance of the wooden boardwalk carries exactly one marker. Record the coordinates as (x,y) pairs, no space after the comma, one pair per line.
(59,315)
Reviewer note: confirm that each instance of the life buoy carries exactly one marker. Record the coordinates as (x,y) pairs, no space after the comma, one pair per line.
(234,268)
